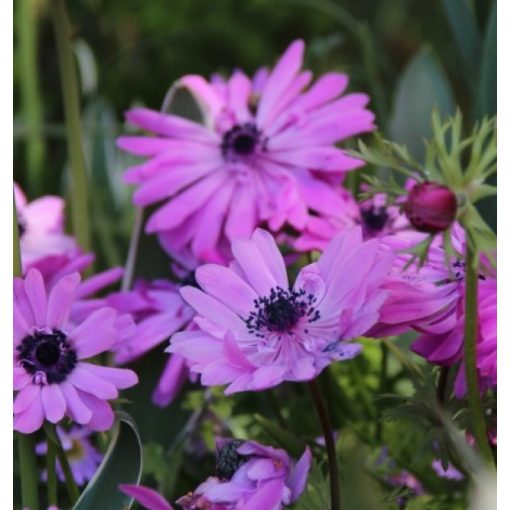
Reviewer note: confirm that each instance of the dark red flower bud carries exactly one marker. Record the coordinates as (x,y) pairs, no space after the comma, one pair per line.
(431,207)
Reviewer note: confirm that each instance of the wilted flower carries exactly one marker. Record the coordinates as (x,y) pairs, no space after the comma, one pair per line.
(257,331)
(431,207)
(50,375)
(249,476)
(43,242)
(158,311)
(266,154)
(83,457)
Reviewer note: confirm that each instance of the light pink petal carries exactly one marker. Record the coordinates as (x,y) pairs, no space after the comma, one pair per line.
(53,402)
(148,498)
(254,266)
(102,413)
(272,256)
(171,381)
(278,81)
(226,286)
(77,410)
(99,281)
(212,309)
(31,419)
(20,326)
(120,377)
(242,217)
(86,380)
(326,88)
(21,378)
(210,102)
(96,334)
(25,398)
(299,475)
(61,299)
(36,294)
(239,90)
(269,496)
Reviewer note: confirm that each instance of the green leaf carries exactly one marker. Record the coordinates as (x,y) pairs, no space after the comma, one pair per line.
(487,81)
(122,463)
(293,444)
(462,20)
(422,86)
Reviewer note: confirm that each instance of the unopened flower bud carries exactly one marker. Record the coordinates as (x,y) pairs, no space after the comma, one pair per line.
(431,207)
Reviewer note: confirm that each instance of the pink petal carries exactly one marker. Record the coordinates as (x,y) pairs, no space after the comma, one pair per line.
(120,377)
(171,381)
(21,378)
(148,498)
(31,419)
(96,334)
(102,414)
(269,496)
(86,380)
(272,256)
(61,299)
(25,398)
(299,475)
(36,294)
(53,402)
(77,410)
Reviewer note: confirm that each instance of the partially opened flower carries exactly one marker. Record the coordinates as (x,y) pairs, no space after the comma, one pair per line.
(266,154)
(431,300)
(82,455)
(257,331)
(249,476)
(158,311)
(50,374)
(43,242)
(375,217)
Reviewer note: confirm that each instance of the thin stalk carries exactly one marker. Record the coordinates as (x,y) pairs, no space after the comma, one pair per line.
(129,268)
(383,381)
(470,341)
(26,445)
(72,488)
(68,79)
(51,484)
(26,31)
(327,430)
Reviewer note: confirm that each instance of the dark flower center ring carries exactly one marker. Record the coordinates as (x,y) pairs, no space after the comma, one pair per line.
(228,461)
(48,353)
(375,218)
(240,141)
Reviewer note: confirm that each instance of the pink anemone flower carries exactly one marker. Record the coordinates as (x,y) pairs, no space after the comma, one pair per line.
(250,476)
(51,375)
(43,242)
(265,154)
(257,331)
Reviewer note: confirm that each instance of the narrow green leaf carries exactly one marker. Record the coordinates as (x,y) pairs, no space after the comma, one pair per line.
(487,82)
(122,464)
(422,86)
(293,444)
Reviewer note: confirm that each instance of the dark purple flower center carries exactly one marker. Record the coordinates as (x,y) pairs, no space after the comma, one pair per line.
(280,311)
(375,218)
(22,228)
(240,141)
(228,461)
(48,355)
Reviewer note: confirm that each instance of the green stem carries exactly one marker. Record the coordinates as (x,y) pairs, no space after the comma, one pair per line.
(441,385)
(68,79)
(383,381)
(72,488)
(26,446)
(26,31)
(334,477)
(470,341)
(129,268)
(51,483)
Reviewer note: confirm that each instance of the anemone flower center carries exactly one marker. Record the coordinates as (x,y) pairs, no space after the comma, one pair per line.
(240,141)
(375,218)
(228,461)
(47,355)
(281,311)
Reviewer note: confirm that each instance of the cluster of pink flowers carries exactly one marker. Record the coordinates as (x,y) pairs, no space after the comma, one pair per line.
(261,172)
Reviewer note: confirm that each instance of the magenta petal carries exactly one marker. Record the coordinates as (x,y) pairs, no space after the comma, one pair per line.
(77,410)
(120,377)
(269,497)
(36,294)
(96,334)
(148,498)
(25,398)
(299,475)
(31,419)
(86,380)
(171,381)
(53,402)
(61,299)
(102,413)
(21,378)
